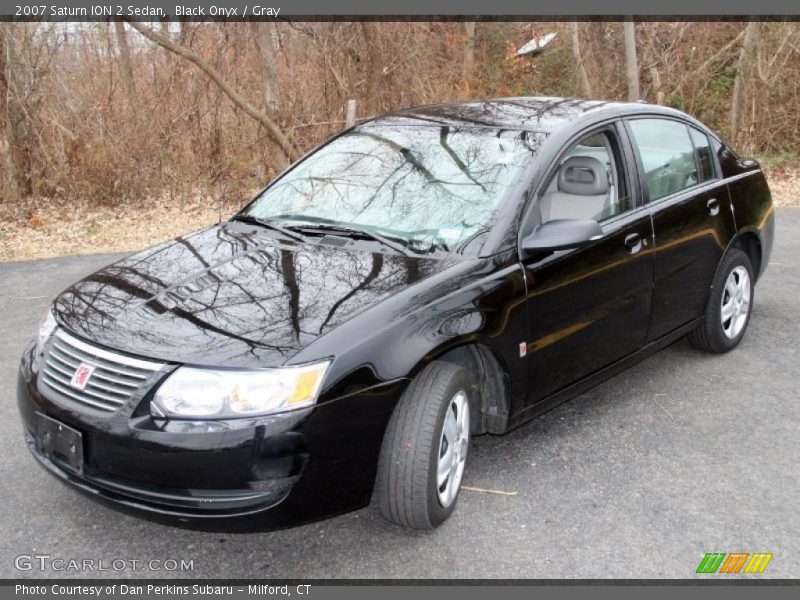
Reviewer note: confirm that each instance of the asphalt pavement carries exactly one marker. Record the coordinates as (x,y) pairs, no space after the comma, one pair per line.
(683,454)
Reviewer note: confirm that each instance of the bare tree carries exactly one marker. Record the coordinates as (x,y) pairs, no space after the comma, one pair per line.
(19,127)
(583,76)
(468,64)
(746,55)
(125,60)
(374,66)
(274,131)
(720,52)
(207,92)
(263,33)
(658,90)
(9,175)
(631,61)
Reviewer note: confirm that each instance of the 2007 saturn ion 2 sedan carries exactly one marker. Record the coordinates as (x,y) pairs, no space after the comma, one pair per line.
(426,276)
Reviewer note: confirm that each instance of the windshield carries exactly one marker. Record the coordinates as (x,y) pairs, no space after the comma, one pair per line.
(418,184)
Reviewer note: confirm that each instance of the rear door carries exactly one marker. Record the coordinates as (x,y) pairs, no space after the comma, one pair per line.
(691,212)
(590,306)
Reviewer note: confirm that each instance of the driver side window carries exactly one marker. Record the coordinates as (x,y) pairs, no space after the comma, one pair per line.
(589,182)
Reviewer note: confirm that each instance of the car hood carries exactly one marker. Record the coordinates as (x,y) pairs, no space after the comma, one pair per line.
(233,295)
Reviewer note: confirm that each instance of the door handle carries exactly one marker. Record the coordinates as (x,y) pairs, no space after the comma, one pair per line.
(713,207)
(633,243)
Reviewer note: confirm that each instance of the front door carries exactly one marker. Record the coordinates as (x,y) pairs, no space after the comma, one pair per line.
(590,306)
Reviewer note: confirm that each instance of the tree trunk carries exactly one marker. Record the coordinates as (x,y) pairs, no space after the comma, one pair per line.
(583,76)
(125,60)
(275,133)
(631,61)
(374,66)
(658,90)
(9,174)
(18,130)
(742,64)
(468,65)
(266,51)
(596,49)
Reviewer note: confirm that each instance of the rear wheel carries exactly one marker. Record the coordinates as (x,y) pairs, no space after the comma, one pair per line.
(729,307)
(425,448)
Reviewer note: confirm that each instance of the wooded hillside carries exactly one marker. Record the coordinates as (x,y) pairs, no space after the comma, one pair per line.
(108,114)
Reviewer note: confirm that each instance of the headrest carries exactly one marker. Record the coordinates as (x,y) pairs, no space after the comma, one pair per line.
(582,176)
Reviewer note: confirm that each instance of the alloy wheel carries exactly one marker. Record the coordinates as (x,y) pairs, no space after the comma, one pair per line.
(453,448)
(735,302)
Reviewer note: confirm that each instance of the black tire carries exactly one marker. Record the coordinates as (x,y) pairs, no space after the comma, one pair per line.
(406,487)
(710,336)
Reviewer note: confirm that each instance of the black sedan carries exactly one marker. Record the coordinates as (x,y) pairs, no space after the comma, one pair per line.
(426,276)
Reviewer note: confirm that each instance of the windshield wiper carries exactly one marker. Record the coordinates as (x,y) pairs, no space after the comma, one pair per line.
(472,238)
(349,231)
(269,225)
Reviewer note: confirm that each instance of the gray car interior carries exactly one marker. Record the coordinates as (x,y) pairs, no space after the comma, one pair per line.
(583,187)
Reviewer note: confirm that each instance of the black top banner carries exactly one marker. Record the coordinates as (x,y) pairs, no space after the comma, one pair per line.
(160,10)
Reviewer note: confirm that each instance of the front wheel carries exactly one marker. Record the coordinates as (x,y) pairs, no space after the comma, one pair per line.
(729,307)
(425,448)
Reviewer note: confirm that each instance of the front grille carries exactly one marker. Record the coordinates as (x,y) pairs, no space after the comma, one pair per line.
(115,380)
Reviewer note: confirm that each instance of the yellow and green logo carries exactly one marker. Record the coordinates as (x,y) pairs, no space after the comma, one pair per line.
(734,562)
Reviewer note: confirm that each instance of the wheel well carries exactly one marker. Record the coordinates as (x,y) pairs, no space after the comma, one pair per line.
(750,244)
(491,382)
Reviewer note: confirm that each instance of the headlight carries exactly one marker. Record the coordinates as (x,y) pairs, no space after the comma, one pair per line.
(192,392)
(46,329)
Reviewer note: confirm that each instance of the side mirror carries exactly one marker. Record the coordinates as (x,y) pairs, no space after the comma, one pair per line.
(562,234)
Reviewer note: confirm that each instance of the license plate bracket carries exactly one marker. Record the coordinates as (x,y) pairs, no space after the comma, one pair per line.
(60,443)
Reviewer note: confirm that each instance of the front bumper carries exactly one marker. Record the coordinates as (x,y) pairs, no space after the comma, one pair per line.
(258,474)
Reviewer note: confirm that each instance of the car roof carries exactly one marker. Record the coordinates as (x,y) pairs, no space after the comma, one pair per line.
(539,114)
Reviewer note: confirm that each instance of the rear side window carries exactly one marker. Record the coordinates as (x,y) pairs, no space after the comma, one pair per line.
(667,155)
(704,158)
(727,158)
